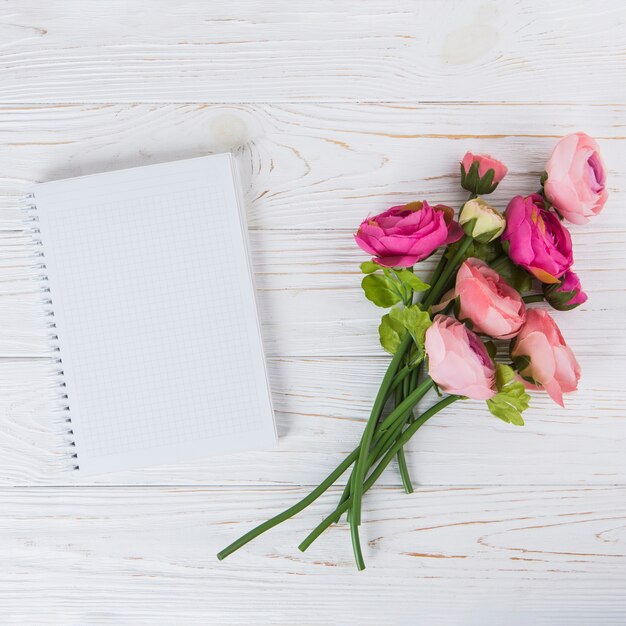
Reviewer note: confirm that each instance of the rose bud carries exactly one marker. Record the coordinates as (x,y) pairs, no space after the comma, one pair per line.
(576,178)
(536,240)
(481,173)
(406,234)
(565,295)
(484,298)
(481,221)
(458,360)
(545,360)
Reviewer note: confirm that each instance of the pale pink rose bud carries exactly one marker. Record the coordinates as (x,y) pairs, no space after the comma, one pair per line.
(481,221)
(458,360)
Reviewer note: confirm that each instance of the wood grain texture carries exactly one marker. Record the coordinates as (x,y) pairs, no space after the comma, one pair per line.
(294,51)
(333,111)
(489,556)
(309,166)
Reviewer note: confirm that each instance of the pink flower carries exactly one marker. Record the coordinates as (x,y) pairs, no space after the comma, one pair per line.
(552,365)
(485,299)
(537,241)
(477,183)
(576,178)
(458,360)
(404,235)
(567,294)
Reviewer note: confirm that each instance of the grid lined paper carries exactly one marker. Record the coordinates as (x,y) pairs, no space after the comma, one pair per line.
(154,305)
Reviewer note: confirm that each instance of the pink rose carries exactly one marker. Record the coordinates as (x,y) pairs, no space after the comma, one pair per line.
(458,360)
(552,365)
(576,178)
(537,241)
(485,299)
(476,180)
(404,235)
(567,294)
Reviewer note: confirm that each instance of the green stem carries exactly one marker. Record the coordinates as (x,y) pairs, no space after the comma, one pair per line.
(291,511)
(402,466)
(406,435)
(384,439)
(436,274)
(368,433)
(536,297)
(408,403)
(499,263)
(400,376)
(450,268)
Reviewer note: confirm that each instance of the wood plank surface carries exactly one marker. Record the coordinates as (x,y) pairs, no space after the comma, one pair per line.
(374,50)
(333,111)
(445,556)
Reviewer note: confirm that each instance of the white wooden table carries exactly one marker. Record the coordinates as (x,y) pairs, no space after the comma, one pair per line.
(333,109)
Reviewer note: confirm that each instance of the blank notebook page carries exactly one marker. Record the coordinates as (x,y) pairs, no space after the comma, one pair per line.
(155,314)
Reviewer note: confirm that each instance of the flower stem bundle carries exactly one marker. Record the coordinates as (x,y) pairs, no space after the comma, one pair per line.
(444,334)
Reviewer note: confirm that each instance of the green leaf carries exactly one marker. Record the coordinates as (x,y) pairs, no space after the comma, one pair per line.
(516,277)
(511,399)
(415,320)
(380,290)
(391,333)
(369,267)
(411,280)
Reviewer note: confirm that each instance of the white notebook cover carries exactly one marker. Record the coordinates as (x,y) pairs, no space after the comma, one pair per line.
(154,306)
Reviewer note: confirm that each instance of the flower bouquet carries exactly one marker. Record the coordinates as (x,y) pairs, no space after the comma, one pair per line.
(443,334)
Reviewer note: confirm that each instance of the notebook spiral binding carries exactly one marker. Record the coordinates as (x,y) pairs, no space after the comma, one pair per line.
(31,228)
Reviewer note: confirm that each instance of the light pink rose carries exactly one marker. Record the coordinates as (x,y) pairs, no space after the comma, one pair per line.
(552,366)
(576,178)
(458,360)
(406,234)
(485,299)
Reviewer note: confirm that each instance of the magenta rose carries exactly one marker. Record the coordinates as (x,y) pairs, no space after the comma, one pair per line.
(536,239)
(474,173)
(458,360)
(406,234)
(576,182)
(567,294)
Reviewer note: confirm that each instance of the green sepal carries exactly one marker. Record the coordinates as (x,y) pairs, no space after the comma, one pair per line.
(380,290)
(491,349)
(559,300)
(411,280)
(468,227)
(369,267)
(521,362)
(511,400)
(515,276)
(472,181)
(488,236)
(391,333)
(544,177)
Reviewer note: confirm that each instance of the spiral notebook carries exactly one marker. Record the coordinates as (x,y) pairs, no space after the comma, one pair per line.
(152,312)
